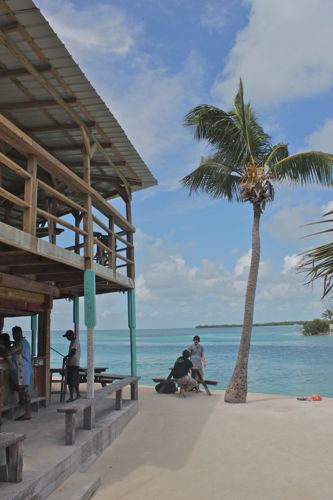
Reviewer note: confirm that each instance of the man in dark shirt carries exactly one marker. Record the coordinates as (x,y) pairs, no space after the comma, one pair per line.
(180,373)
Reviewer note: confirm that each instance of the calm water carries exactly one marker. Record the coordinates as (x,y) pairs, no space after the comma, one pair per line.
(282,361)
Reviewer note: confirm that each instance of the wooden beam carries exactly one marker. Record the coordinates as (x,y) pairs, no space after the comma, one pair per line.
(95,163)
(34,269)
(49,216)
(30,196)
(43,103)
(8,28)
(13,199)
(55,128)
(14,166)
(8,73)
(60,196)
(74,147)
(21,258)
(59,276)
(20,283)
(13,134)
(115,179)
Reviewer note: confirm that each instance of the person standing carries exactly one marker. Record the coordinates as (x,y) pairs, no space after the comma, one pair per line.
(21,369)
(180,373)
(73,365)
(197,355)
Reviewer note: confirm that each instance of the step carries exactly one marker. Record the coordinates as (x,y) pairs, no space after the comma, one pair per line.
(79,486)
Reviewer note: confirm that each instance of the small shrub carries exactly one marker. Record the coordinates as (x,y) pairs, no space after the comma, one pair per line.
(316,327)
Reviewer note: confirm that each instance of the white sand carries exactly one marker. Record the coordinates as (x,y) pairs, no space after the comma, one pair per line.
(273,447)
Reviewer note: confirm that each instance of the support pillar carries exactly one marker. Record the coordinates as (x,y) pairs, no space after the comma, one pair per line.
(90,322)
(76,316)
(132,327)
(33,327)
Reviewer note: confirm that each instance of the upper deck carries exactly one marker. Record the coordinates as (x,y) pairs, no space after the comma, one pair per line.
(63,155)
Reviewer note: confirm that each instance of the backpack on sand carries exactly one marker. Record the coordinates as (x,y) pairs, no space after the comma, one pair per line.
(166,388)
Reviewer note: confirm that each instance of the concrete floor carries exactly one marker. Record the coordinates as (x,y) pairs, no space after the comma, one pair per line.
(47,460)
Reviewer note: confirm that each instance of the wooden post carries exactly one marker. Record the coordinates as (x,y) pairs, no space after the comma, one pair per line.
(112,245)
(70,422)
(30,196)
(119,400)
(130,248)
(87,218)
(76,316)
(132,327)
(33,323)
(44,329)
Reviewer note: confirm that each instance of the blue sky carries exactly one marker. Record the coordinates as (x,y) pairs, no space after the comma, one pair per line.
(152,61)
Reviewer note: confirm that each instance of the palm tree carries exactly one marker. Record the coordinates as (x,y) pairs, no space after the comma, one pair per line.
(243,167)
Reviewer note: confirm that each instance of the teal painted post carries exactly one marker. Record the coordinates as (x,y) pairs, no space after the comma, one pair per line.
(90,322)
(132,327)
(76,316)
(33,323)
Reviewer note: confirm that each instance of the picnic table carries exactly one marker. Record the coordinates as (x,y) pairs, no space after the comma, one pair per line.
(195,372)
(83,378)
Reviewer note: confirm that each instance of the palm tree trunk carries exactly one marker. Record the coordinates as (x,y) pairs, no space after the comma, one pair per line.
(237,389)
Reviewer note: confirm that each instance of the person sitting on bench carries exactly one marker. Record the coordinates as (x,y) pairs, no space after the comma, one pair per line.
(180,373)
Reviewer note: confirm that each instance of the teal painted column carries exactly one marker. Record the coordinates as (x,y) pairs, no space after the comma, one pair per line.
(132,327)
(90,322)
(76,316)
(33,323)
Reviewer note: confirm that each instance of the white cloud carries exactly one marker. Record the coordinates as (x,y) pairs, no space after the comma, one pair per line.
(243,264)
(327,208)
(153,106)
(290,263)
(96,27)
(283,53)
(214,15)
(288,223)
(322,138)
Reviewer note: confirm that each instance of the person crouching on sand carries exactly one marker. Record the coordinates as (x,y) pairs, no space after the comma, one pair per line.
(180,373)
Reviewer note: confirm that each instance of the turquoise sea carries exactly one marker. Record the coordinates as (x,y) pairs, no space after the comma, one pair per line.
(282,361)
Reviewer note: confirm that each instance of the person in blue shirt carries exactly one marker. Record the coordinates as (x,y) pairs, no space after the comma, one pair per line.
(22,370)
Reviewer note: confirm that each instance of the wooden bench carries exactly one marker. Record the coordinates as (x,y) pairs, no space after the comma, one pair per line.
(11,409)
(11,456)
(87,406)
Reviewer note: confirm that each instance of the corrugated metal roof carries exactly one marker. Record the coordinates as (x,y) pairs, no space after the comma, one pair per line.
(40,46)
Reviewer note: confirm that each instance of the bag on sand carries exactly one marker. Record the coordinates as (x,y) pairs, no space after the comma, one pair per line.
(166,388)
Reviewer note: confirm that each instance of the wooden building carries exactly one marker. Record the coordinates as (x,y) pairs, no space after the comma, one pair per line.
(63,158)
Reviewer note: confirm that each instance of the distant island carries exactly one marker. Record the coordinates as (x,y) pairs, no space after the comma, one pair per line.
(272,323)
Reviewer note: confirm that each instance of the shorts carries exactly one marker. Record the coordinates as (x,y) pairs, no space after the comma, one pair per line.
(24,394)
(73,376)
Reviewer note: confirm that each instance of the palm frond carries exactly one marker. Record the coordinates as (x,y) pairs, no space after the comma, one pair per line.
(278,153)
(305,168)
(257,141)
(219,129)
(213,178)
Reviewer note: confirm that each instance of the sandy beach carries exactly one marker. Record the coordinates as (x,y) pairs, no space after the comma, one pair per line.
(273,447)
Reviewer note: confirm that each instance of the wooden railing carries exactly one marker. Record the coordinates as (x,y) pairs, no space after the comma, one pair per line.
(43,210)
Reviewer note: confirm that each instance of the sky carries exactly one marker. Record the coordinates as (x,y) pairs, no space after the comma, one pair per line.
(152,61)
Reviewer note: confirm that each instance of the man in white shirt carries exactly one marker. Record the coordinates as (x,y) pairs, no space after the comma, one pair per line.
(73,365)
